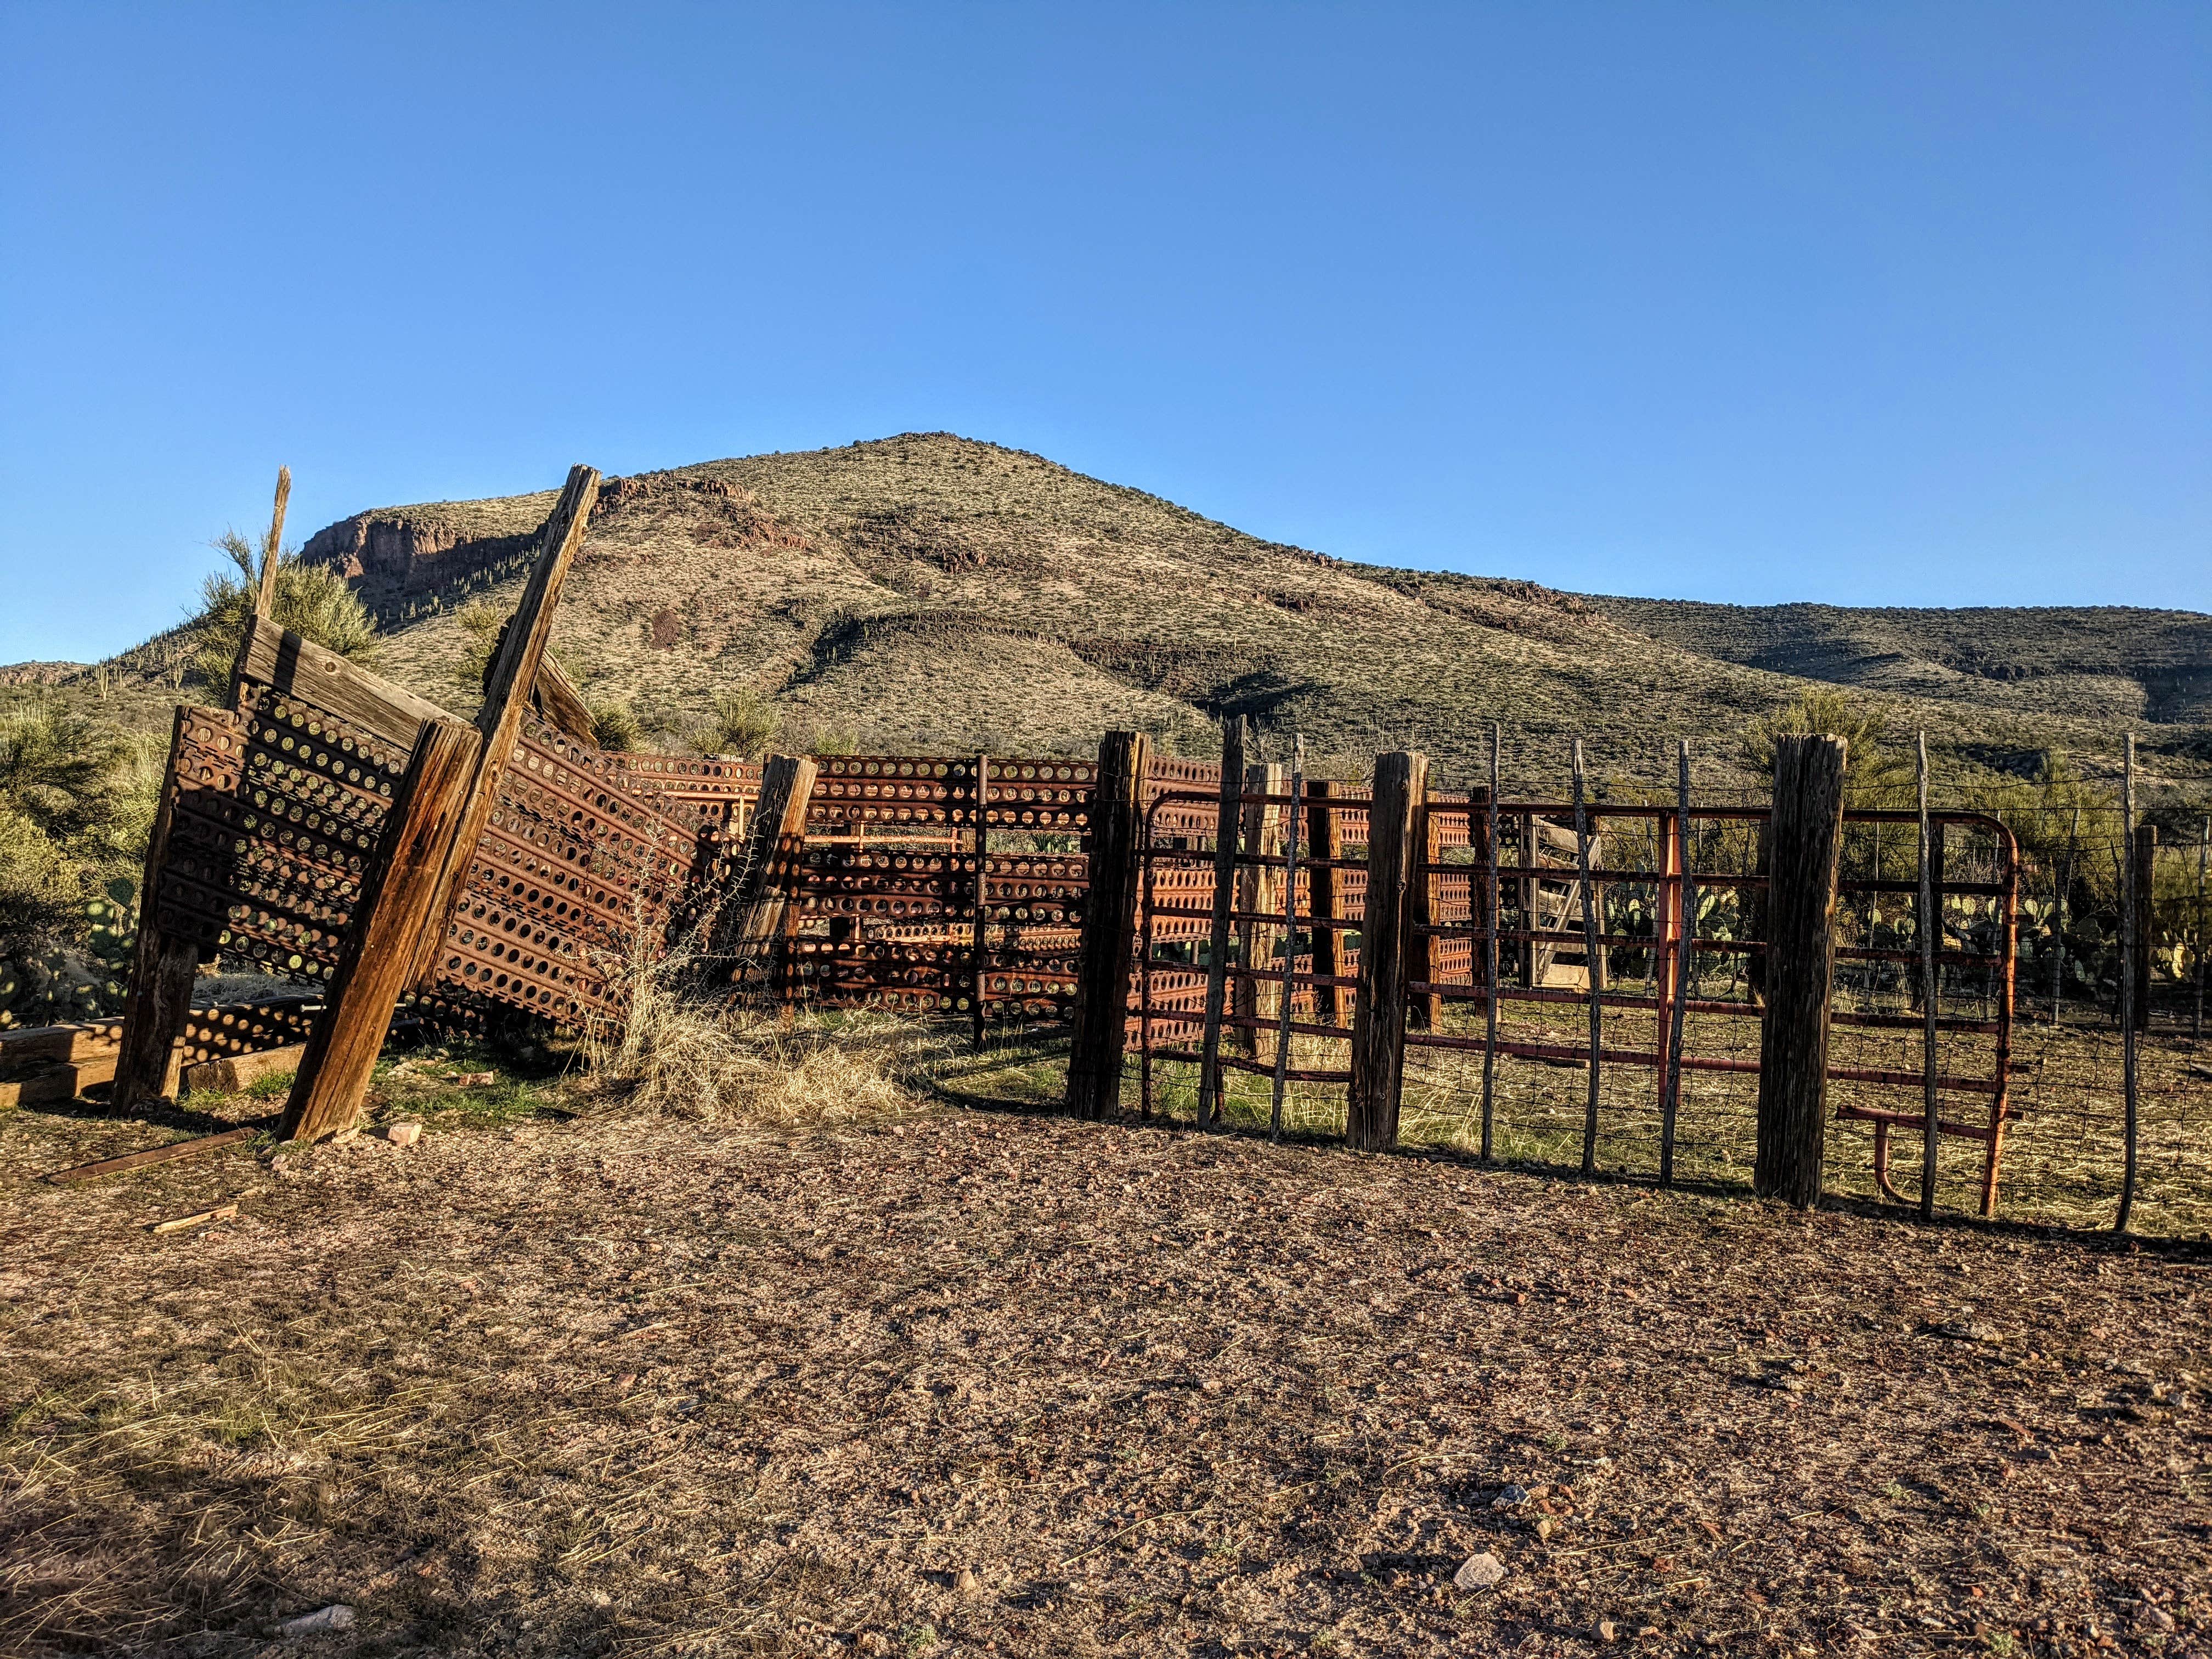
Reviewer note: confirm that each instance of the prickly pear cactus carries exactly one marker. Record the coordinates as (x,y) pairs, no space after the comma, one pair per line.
(56,986)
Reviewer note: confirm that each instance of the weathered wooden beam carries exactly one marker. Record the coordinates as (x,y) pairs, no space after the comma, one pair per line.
(162,968)
(1805,841)
(506,695)
(168,1154)
(562,706)
(752,918)
(1325,842)
(272,550)
(1110,927)
(299,667)
(399,892)
(1379,1043)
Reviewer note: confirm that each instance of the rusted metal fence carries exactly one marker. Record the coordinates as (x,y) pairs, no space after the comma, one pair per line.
(1624,941)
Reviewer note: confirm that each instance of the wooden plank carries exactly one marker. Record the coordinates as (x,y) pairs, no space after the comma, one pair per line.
(1379,1043)
(506,688)
(152,1155)
(397,891)
(741,942)
(36,1046)
(562,706)
(1805,841)
(979,895)
(1491,966)
(1228,823)
(162,968)
(1678,960)
(1110,923)
(297,667)
(234,1073)
(56,1082)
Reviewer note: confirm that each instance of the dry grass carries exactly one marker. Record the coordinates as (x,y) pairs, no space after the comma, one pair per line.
(630,1385)
(2062,1157)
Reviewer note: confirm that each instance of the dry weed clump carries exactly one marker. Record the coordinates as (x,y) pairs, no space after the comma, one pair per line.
(711,1059)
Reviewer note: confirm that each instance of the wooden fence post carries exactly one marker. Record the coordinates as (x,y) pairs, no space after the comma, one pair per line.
(774,841)
(162,968)
(1379,1043)
(1424,950)
(1325,841)
(1110,927)
(1803,848)
(399,892)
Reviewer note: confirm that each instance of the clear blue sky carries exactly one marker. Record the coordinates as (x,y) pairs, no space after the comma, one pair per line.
(1864,303)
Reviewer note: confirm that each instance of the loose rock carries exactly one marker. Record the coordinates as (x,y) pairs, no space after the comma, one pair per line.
(338,1616)
(1480,1572)
(403,1135)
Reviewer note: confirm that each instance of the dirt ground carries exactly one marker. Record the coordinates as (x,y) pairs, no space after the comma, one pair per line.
(965,1381)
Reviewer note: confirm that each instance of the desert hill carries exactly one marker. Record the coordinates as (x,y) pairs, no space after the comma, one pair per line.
(929,592)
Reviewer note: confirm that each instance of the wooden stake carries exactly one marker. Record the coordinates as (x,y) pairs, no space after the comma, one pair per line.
(2130,925)
(506,695)
(1685,958)
(1109,922)
(775,848)
(1490,958)
(1931,927)
(1227,822)
(399,892)
(162,967)
(1378,1044)
(1592,966)
(272,550)
(1291,817)
(1803,848)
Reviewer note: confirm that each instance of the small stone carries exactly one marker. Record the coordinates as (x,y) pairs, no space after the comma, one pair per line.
(476,1080)
(1480,1572)
(2153,1618)
(1545,1527)
(601,1599)
(1509,1497)
(967,1582)
(1608,1630)
(338,1616)
(403,1135)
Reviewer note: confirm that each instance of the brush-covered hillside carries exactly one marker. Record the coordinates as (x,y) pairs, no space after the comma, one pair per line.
(929,591)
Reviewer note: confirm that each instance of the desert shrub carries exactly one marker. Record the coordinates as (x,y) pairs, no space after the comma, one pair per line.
(1878,772)
(76,801)
(613,724)
(482,622)
(741,724)
(312,600)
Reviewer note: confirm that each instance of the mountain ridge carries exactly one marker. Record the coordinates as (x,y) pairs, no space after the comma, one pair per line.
(931,591)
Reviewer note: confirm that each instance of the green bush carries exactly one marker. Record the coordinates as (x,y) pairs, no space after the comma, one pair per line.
(312,600)
(76,801)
